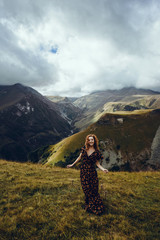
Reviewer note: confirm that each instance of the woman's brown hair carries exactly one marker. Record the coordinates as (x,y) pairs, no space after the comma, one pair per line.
(95,142)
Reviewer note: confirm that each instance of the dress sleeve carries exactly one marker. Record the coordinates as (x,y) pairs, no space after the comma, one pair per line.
(99,156)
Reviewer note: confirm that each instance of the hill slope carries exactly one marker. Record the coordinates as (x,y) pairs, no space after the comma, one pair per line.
(46,203)
(125,141)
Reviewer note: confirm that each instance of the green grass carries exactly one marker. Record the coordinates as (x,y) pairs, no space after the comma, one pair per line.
(40,202)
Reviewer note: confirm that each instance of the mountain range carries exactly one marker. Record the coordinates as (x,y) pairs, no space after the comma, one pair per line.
(127,99)
(38,128)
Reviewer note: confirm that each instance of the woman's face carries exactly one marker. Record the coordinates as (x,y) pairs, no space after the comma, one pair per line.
(91,141)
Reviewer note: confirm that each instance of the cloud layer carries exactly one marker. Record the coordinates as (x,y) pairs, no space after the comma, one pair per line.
(73,47)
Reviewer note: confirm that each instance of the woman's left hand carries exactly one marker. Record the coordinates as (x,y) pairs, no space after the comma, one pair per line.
(105,170)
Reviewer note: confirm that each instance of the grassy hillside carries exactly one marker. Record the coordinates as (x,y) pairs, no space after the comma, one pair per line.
(133,136)
(39,202)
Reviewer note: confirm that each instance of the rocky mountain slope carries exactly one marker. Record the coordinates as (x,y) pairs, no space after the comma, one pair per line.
(67,109)
(28,121)
(125,141)
(155,150)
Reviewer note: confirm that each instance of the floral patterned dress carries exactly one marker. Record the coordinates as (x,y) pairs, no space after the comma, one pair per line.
(89,181)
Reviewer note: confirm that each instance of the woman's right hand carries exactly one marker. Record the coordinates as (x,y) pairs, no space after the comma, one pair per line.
(70,165)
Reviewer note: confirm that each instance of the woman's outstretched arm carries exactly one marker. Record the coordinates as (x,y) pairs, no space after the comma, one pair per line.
(77,160)
(103,169)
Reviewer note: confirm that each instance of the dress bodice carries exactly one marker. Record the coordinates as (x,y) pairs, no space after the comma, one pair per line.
(92,158)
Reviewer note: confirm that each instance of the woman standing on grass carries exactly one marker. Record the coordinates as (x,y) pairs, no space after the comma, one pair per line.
(91,155)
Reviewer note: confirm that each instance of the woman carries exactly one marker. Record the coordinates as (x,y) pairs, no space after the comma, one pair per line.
(91,155)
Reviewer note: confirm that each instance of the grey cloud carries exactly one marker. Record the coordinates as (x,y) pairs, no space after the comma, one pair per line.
(18,65)
(25,11)
(126,25)
(72,92)
(113,80)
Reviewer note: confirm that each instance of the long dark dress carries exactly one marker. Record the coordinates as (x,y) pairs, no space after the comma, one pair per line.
(90,182)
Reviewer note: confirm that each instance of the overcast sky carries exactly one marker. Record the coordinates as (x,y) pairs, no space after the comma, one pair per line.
(73,47)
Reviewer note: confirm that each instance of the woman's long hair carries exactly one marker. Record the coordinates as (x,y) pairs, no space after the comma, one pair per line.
(95,142)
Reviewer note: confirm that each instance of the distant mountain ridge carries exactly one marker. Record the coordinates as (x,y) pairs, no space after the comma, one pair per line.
(98,103)
(97,99)
(129,90)
(88,109)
